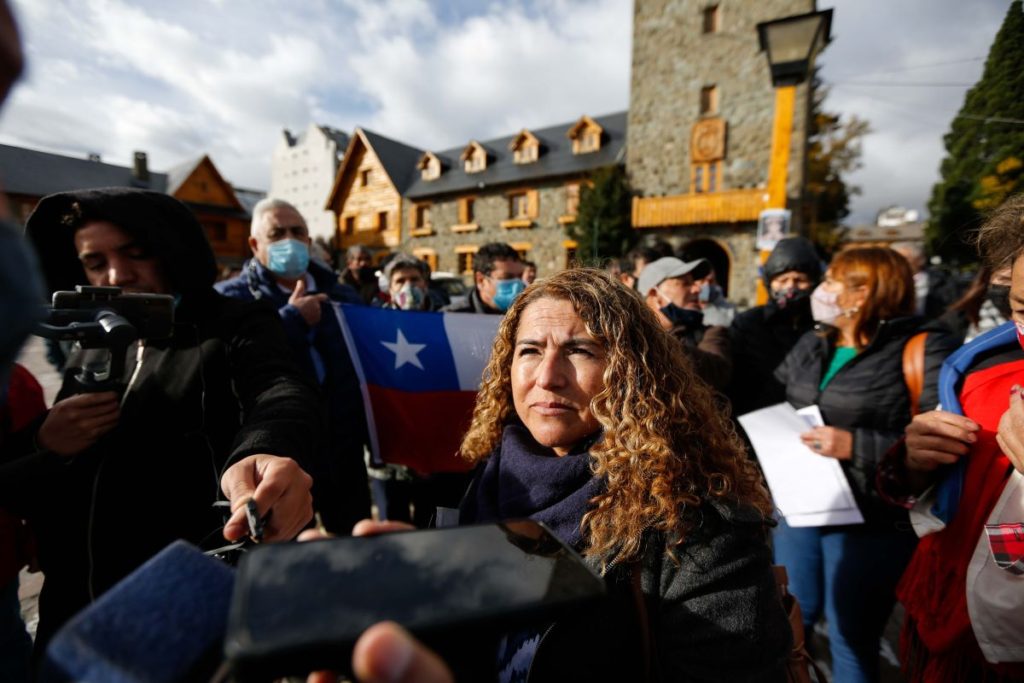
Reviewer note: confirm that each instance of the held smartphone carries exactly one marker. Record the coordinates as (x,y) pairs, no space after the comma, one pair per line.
(300,607)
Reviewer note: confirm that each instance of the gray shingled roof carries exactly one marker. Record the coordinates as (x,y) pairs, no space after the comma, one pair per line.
(556,159)
(340,137)
(399,160)
(249,198)
(35,173)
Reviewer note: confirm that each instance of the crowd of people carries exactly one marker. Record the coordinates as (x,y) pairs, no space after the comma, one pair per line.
(607,411)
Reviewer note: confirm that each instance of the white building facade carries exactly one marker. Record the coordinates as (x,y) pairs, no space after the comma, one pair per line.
(302,172)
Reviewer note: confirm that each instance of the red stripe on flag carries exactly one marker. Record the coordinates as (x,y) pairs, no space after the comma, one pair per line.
(422,430)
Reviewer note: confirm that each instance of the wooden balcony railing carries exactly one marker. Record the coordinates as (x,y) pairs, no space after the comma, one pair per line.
(729,206)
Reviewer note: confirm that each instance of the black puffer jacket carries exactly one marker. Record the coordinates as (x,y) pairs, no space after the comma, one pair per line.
(221,388)
(762,336)
(868,397)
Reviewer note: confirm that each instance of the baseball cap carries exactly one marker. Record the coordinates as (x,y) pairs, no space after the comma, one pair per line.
(656,272)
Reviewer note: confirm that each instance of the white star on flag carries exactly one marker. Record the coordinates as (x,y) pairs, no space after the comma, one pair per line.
(404,351)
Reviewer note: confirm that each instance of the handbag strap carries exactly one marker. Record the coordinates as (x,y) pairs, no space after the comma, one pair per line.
(800,663)
(913,369)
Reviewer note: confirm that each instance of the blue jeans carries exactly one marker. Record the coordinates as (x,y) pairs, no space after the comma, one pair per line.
(15,643)
(850,573)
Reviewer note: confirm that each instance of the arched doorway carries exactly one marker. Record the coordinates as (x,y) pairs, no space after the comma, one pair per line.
(713,252)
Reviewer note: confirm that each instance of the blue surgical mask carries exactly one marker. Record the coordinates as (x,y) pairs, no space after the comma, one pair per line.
(506,291)
(288,258)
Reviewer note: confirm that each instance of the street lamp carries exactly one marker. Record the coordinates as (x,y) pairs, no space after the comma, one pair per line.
(791,44)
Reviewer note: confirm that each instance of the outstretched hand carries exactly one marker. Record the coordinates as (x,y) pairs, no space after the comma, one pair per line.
(278,486)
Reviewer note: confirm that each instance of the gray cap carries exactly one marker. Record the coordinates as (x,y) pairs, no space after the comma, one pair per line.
(656,272)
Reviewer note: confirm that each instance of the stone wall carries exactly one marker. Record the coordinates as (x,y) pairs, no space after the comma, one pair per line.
(672,60)
(544,238)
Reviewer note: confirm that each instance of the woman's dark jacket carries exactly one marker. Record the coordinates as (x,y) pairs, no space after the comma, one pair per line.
(714,614)
(868,397)
(222,387)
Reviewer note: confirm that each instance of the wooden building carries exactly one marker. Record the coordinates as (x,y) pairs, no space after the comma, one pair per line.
(224,212)
(367,195)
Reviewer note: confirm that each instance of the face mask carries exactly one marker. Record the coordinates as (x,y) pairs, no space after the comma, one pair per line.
(682,317)
(506,291)
(709,293)
(824,306)
(789,297)
(288,258)
(409,297)
(999,296)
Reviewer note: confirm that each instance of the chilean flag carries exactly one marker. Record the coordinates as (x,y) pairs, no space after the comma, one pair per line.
(419,373)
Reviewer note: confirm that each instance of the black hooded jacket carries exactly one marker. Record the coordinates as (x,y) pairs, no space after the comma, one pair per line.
(762,336)
(222,387)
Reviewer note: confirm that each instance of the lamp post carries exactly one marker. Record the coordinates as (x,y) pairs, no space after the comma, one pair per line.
(791,44)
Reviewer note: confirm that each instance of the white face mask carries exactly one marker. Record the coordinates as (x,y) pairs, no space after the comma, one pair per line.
(409,297)
(824,306)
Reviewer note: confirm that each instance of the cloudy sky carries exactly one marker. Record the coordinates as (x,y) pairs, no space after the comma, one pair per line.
(223,77)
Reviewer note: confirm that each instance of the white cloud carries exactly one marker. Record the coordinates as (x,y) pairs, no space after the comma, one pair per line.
(223,77)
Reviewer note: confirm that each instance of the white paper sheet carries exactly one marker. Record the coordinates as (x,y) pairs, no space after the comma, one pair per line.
(809,489)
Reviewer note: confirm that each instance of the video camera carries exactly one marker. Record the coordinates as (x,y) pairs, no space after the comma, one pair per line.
(105,319)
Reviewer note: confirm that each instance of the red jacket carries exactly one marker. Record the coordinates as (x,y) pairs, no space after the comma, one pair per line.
(24,403)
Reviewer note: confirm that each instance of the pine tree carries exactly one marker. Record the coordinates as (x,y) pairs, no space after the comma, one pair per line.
(984,146)
(603,226)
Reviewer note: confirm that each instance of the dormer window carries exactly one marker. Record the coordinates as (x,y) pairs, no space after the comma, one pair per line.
(429,166)
(586,135)
(525,147)
(474,157)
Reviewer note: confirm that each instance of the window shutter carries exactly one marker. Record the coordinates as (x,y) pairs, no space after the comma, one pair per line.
(412,217)
(463,218)
(532,203)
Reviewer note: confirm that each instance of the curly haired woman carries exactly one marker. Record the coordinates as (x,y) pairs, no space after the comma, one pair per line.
(591,420)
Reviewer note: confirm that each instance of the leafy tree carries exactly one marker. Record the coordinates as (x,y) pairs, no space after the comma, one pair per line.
(984,145)
(603,226)
(833,151)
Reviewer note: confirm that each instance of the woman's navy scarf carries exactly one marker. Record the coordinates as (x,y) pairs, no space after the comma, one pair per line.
(524,479)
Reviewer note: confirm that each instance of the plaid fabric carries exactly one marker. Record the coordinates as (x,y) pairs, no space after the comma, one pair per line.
(1006,541)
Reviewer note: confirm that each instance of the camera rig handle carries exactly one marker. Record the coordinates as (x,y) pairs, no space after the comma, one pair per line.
(104,318)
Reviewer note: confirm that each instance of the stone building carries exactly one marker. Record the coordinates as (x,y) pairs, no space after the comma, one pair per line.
(522,189)
(302,172)
(699,147)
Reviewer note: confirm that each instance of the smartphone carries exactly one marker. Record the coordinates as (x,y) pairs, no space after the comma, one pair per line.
(301,607)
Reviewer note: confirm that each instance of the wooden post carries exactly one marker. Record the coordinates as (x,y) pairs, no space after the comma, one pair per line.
(778,166)
(782,134)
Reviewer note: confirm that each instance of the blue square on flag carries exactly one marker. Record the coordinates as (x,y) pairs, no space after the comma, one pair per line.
(405,350)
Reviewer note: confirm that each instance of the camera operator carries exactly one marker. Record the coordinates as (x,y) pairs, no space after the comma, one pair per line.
(109,480)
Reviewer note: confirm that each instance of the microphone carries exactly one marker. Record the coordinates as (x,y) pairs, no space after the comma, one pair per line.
(163,623)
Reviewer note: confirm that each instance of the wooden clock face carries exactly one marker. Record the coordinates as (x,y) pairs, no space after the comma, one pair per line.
(708,140)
